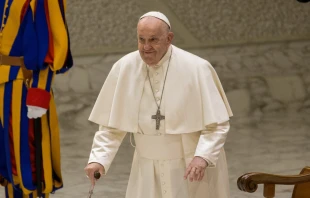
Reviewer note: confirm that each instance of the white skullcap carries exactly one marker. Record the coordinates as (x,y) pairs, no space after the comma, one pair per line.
(158,15)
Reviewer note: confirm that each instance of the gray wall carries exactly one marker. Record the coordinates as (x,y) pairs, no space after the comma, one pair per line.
(260,49)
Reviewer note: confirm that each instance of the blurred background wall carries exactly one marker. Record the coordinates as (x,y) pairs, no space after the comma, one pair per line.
(260,49)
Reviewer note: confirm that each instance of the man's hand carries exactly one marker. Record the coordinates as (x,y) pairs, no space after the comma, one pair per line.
(35,112)
(91,168)
(196,169)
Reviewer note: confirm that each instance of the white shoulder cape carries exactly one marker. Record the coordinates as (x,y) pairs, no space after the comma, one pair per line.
(194,96)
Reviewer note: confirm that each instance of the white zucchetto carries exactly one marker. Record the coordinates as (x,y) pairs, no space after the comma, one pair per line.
(158,15)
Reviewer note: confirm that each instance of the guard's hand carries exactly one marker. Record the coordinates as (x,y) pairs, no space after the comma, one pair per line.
(196,169)
(91,168)
(35,112)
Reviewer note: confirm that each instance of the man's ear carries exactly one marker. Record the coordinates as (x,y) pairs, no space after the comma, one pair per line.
(170,37)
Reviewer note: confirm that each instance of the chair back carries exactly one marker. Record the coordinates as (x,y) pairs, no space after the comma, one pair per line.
(302,190)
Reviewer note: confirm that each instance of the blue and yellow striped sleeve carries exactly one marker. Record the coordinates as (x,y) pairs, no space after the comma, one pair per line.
(42,77)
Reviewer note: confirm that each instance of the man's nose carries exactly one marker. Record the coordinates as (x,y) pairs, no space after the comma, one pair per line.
(147,46)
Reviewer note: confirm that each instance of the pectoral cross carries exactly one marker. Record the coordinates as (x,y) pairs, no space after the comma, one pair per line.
(158,118)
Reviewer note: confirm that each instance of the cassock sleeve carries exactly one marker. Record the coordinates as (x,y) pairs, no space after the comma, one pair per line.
(105,146)
(211,141)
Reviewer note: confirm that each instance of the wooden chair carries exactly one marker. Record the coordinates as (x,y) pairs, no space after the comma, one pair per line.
(249,183)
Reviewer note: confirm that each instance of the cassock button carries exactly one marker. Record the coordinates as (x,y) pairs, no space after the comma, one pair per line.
(156,81)
(157,90)
(156,73)
(163,183)
(165,192)
(162,174)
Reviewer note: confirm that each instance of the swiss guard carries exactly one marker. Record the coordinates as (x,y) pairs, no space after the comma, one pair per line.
(34,47)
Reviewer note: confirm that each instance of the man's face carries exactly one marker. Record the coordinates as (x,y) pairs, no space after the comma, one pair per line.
(154,39)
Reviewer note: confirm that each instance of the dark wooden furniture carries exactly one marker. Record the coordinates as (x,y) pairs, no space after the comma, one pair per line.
(249,183)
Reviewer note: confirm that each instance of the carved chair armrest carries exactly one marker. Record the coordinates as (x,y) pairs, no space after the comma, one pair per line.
(249,181)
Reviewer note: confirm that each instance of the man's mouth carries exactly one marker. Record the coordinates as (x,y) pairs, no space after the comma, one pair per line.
(148,52)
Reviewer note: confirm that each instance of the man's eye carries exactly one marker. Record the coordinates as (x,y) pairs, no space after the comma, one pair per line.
(153,40)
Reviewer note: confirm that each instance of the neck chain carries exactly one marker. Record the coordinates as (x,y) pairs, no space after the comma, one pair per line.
(158,117)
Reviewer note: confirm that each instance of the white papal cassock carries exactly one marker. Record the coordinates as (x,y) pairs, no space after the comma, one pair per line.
(196,124)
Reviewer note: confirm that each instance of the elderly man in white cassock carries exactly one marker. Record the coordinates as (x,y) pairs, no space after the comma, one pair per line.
(174,106)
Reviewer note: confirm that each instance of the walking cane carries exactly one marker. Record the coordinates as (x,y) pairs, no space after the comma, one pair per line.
(91,189)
